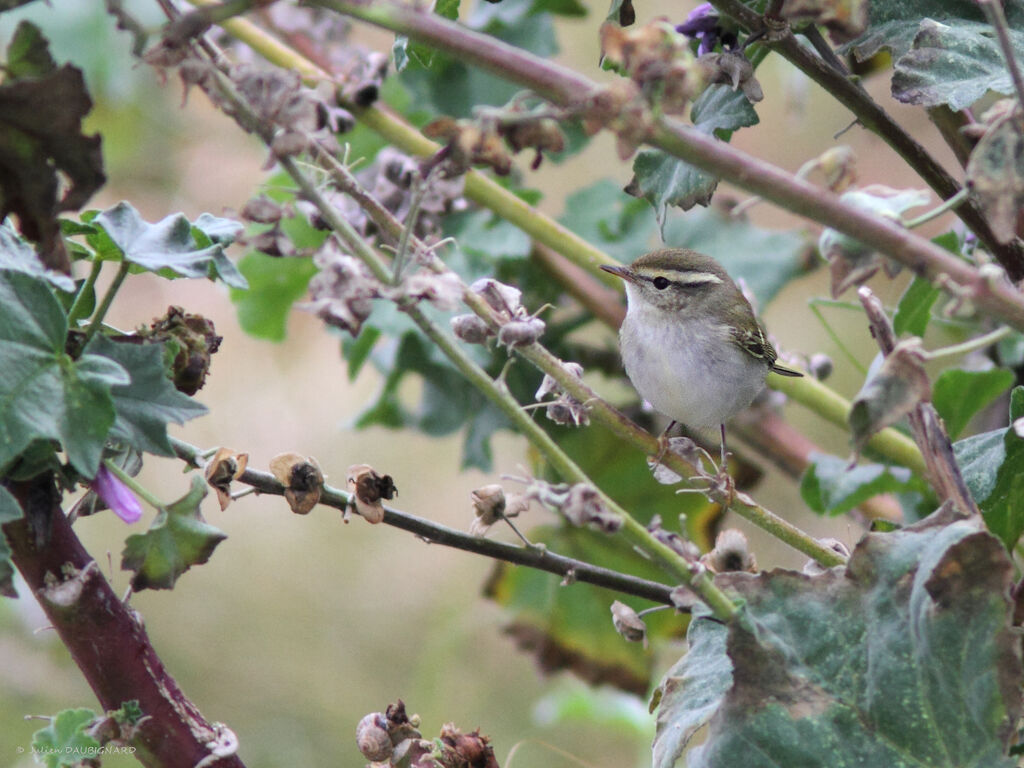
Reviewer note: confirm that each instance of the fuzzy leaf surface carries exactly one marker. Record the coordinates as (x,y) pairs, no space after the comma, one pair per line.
(149,401)
(904,658)
(64,742)
(44,393)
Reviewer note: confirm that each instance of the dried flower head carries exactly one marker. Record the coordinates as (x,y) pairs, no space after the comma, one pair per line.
(368,487)
(628,624)
(584,505)
(341,292)
(734,69)
(189,342)
(302,479)
(471,329)
(502,298)
(814,568)
(731,553)
(225,466)
(516,333)
(565,409)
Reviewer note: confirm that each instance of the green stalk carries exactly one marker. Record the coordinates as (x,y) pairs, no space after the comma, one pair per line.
(77,310)
(108,299)
(133,484)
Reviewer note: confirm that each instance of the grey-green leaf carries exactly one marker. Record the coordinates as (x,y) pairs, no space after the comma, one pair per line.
(904,659)
(831,487)
(992,465)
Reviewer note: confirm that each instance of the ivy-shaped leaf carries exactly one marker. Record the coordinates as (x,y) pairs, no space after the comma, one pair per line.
(44,393)
(167,247)
(274,285)
(65,742)
(831,487)
(149,401)
(178,539)
(664,180)
(903,658)
(992,465)
(603,215)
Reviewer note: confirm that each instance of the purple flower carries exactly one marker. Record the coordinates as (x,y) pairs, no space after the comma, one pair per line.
(703,24)
(116,495)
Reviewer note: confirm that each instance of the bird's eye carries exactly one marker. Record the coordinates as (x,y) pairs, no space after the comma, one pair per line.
(661,283)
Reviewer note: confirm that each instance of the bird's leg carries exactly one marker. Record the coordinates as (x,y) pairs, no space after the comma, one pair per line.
(663,443)
(723,480)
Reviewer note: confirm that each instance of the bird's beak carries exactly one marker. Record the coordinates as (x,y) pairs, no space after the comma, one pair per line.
(624,272)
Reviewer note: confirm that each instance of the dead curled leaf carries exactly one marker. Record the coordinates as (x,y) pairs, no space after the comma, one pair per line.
(368,487)
(302,479)
(893,392)
(225,466)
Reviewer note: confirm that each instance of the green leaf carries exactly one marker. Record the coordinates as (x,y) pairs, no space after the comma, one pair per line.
(451,87)
(958,394)
(664,180)
(953,65)
(43,392)
(19,256)
(166,247)
(217,228)
(64,742)
(895,23)
(10,511)
(914,309)
(149,402)
(274,285)
(357,351)
(28,53)
(691,691)
(992,465)
(406,52)
(605,217)
(765,259)
(903,659)
(483,240)
(178,539)
(831,487)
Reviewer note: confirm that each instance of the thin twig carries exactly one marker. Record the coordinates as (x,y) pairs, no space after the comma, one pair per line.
(435,533)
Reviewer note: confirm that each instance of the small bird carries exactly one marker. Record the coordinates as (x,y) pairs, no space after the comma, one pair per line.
(691,343)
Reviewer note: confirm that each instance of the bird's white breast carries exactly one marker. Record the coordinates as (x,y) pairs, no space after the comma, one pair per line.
(670,362)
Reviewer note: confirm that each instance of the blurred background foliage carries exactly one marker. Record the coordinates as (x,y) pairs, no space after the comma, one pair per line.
(299,626)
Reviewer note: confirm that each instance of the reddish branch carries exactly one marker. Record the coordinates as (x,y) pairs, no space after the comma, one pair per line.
(106,638)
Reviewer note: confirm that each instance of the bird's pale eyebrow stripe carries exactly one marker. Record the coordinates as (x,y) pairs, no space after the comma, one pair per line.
(686,277)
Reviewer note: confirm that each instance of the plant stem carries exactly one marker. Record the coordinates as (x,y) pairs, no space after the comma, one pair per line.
(108,299)
(848,91)
(938,210)
(970,345)
(997,18)
(77,310)
(566,88)
(133,485)
(611,418)
(835,408)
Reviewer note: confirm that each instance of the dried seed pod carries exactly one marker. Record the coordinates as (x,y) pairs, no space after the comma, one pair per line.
(584,505)
(471,329)
(731,553)
(517,333)
(443,290)
(302,479)
(488,503)
(373,739)
(190,341)
(820,366)
(225,466)
(501,297)
(732,68)
(839,164)
(262,210)
(628,624)
(368,487)
(469,749)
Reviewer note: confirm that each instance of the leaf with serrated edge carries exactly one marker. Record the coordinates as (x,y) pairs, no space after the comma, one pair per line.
(146,404)
(904,658)
(64,742)
(44,394)
(166,246)
(178,539)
